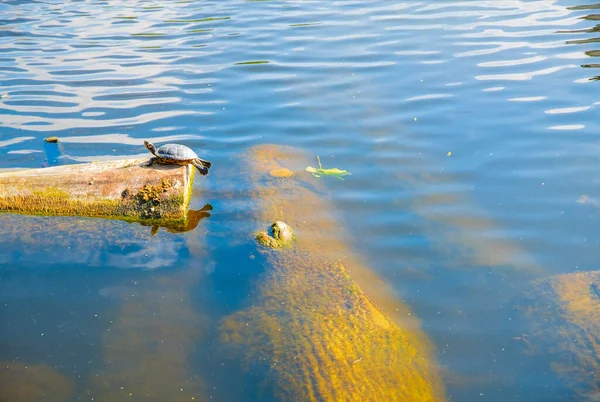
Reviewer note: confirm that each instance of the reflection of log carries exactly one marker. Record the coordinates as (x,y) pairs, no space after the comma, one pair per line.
(566,318)
(118,189)
(67,240)
(311,329)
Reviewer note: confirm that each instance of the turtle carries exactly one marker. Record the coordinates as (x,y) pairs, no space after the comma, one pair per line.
(177,154)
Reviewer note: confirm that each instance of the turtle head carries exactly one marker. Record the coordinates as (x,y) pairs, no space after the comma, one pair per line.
(150,146)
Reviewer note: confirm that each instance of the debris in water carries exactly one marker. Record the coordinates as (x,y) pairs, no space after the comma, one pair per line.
(318,172)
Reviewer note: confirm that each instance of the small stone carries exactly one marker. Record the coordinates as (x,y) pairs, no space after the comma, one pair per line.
(281,235)
(281,173)
(282,231)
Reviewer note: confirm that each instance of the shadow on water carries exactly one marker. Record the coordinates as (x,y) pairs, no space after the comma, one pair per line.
(593,30)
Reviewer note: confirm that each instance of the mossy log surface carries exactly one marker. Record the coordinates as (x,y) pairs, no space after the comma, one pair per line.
(310,328)
(565,313)
(122,189)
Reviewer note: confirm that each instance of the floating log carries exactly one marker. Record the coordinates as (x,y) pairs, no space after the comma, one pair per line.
(320,326)
(122,189)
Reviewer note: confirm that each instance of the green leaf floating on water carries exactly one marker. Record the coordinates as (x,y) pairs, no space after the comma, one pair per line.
(335,172)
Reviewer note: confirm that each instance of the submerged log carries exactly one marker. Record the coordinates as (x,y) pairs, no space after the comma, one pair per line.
(321,326)
(33,382)
(123,189)
(146,326)
(565,329)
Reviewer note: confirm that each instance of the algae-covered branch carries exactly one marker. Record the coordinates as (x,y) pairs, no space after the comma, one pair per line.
(122,189)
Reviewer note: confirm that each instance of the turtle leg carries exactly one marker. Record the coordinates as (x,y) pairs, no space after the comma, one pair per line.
(202,169)
(204,163)
(151,161)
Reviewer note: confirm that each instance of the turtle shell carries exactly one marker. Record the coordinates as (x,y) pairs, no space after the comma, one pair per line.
(175,152)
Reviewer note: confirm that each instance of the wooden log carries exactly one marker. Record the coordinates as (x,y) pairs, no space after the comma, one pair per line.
(123,189)
(320,324)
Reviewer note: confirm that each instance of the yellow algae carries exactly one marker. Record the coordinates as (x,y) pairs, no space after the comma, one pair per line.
(148,346)
(50,192)
(311,328)
(283,172)
(20,382)
(566,316)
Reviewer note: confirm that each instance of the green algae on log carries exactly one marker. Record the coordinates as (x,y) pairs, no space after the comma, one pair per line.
(320,324)
(564,314)
(122,189)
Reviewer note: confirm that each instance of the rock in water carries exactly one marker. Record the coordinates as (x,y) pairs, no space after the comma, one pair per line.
(282,231)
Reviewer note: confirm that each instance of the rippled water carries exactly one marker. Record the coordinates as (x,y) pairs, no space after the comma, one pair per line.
(469,129)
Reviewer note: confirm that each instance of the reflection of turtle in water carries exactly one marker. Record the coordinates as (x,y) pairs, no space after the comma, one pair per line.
(193,218)
(176,154)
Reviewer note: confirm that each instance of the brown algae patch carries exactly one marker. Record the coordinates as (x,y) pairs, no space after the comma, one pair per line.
(310,326)
(20,382)
(565,315)
(281,173)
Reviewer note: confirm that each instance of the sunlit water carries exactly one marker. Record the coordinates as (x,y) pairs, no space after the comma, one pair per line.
(469,129)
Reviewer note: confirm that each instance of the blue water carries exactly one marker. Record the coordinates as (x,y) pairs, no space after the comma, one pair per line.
(469,129)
